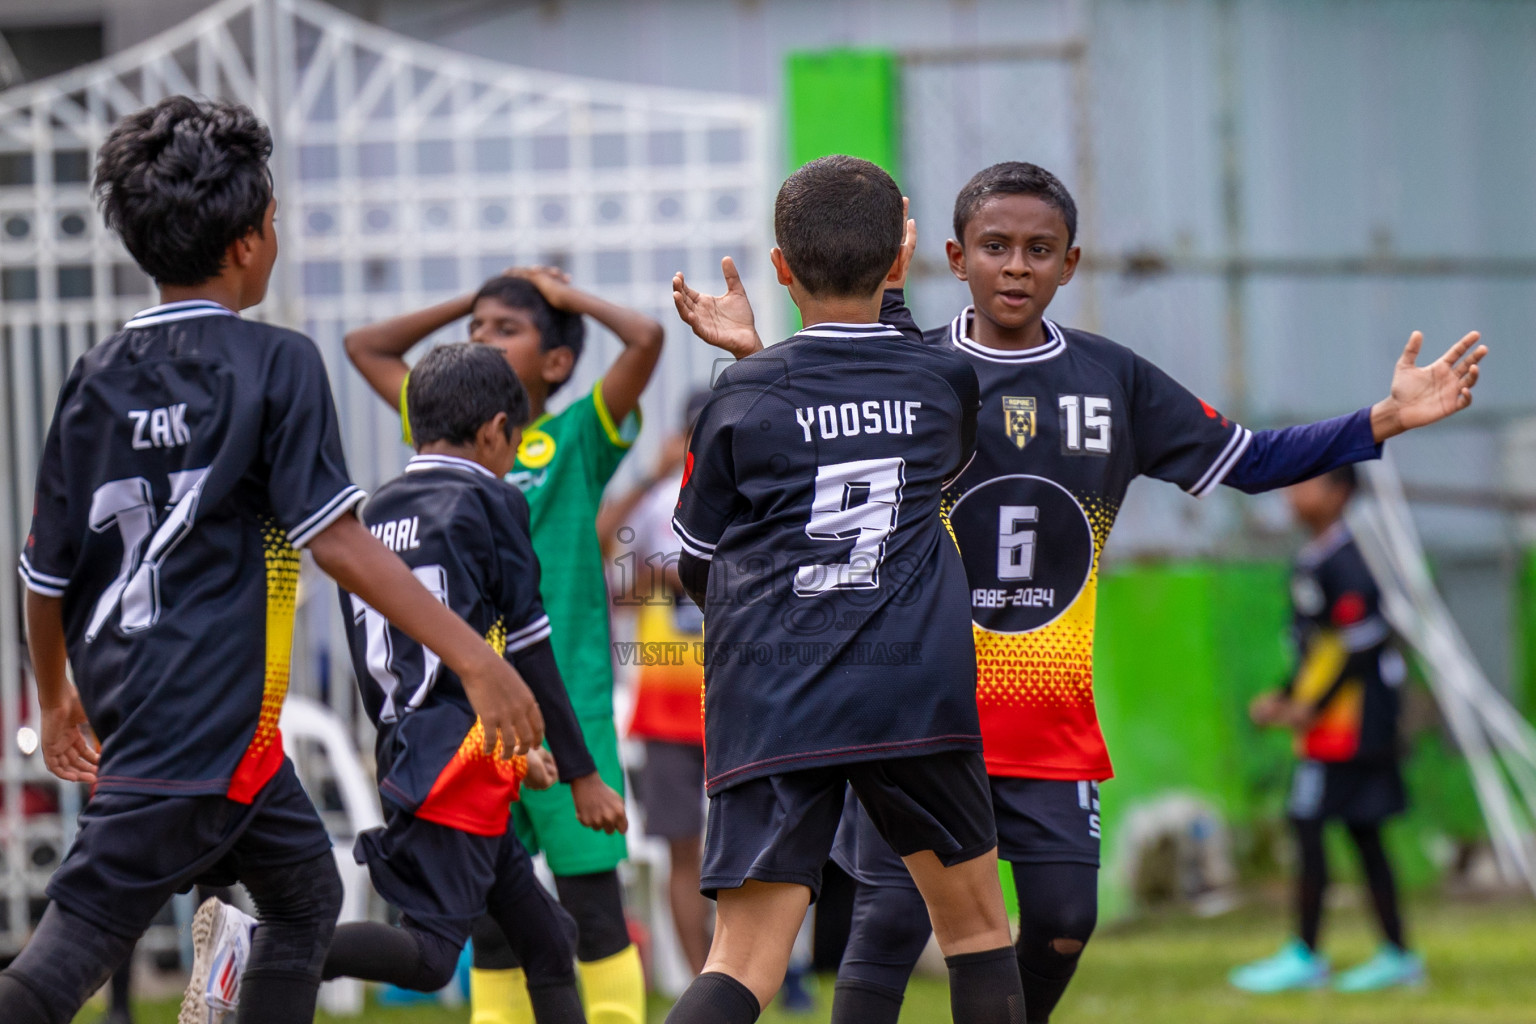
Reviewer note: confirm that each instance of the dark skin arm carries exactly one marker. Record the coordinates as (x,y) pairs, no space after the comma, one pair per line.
(68,749)
(354,558)
(378,350)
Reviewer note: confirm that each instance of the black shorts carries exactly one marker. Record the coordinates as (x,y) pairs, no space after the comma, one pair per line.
(1357,793)
(1046,821)
(1039,821)
(440,878)
(670,788)
(134,851)
(780,828)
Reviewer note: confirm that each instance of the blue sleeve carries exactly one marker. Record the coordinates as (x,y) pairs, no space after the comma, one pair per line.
(1279,458)
(894,313)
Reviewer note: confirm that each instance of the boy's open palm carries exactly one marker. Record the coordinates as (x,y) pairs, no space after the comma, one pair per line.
(724,321)
(1422,395)
(598,807)
(67,748)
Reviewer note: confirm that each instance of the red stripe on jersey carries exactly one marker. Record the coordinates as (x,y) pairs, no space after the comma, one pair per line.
(474,793)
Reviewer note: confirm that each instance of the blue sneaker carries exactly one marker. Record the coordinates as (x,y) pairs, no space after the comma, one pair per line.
(1389,968)
(1294,967)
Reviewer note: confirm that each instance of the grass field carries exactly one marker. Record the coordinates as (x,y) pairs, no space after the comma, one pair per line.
(1482,968)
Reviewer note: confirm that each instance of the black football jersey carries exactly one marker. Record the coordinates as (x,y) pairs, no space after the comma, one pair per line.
(835,624)
(464,533)
(191,455)
(1064,428)
(1349,671)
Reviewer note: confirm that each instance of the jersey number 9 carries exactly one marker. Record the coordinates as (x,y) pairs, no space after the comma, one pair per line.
(856,501)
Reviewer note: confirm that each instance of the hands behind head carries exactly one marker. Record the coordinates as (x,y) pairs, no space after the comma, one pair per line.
(552,282)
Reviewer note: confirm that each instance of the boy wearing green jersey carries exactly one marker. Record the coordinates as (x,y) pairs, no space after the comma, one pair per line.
(534,317)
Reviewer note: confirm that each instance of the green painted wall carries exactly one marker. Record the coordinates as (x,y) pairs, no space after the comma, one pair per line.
(844,101)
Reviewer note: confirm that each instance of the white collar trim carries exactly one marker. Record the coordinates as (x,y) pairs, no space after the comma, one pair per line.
(960,337)
(170,312)
(420,462)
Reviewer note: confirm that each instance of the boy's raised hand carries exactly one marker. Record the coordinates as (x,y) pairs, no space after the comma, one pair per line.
(552,282)
(724,321)
(598,807)
(67,748)
(1422,395)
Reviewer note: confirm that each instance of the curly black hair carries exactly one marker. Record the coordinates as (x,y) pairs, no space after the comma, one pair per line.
(181,180)
(1014,177)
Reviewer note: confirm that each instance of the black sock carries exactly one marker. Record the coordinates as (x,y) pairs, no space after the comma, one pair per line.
(1379,880)
(405,956)
(859,1002)
(984,987)
(1042,992)
(557,1004)
(716,998)
(20,1005)
(122,987)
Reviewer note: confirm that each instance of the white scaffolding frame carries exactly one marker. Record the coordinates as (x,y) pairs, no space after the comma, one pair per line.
(405,174)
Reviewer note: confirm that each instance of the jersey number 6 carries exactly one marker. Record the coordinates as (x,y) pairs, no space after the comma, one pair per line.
(855,501)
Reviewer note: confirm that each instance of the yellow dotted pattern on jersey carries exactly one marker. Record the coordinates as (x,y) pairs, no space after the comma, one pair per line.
(472,751)
(282,597)
(1051,666)
(496,636)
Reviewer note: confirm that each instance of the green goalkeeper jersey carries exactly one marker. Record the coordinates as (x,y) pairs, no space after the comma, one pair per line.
(563,464)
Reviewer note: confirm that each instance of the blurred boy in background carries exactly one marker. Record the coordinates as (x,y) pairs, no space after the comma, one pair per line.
(1343,704)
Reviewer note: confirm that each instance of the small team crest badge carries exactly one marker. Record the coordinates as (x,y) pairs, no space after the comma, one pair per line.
(1019,416)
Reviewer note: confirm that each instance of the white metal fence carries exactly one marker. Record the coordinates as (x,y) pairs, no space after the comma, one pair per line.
(405,174)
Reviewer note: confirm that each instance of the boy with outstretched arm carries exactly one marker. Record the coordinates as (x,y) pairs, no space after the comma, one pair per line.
(192,455)
(811,536)
(447,854)
(533,318)
(1068,420)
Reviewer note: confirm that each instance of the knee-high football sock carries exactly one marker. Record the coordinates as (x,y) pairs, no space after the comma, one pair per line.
(613,988)
(890,928)
(863,1002)
(984,987)
(716,998)
(408,956)
(499,997)
(1058,908)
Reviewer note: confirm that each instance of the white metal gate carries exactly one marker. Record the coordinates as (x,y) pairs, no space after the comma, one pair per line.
(405,174)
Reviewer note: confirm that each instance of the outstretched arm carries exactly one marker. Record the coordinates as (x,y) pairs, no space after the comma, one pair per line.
(67,749)
(1420,395)
(357,560)
(378,350)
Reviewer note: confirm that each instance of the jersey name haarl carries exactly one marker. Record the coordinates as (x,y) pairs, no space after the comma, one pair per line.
(465,535)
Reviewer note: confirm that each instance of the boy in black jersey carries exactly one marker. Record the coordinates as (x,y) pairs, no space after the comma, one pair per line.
(1068,419)
(191,456)
(839,650)
(1343,704)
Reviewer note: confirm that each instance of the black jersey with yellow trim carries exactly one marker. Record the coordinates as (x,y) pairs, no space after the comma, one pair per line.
(835,615)
(464,533)
(191,455)
(1064,428)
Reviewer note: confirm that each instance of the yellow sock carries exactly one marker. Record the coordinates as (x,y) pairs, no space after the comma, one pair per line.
(613,988)
(499,997)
